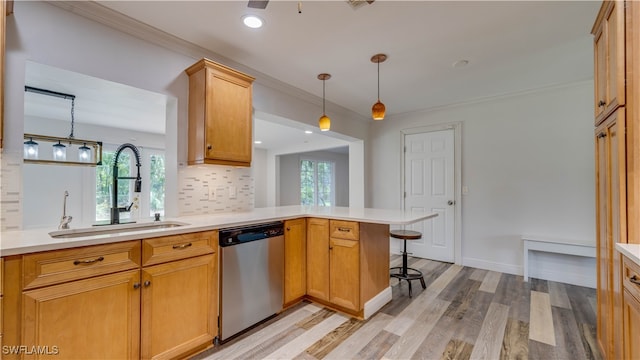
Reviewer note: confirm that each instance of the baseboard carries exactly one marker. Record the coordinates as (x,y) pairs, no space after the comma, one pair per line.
(566,277)
(377,302)
(559,275)
(493,266)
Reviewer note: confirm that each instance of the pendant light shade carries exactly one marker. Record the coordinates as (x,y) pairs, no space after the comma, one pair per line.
(84,153)
(30,149)
(324,122)
(378,109)
(59,152)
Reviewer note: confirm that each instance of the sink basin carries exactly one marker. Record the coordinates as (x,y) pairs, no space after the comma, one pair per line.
(114,229)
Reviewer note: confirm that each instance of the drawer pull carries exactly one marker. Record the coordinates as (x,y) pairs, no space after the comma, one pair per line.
(634,279)
(88,262)
(181,247)
(344,229)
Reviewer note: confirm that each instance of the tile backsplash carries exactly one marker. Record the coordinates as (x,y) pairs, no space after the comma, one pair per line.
(214,189)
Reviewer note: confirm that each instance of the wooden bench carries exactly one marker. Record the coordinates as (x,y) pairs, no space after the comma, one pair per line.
(559,246)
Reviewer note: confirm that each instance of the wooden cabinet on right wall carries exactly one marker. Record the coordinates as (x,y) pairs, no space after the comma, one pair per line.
(617,163)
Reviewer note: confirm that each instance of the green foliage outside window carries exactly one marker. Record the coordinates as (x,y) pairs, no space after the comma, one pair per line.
(104,183)
(316,182)
(156,200)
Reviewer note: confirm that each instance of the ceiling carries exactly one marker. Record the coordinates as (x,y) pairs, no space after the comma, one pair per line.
(511,46)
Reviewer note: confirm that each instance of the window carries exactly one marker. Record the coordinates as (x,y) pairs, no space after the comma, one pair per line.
(317,180)
(152,172)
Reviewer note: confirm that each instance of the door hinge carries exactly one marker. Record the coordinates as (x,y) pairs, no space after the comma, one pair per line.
(405,149)
(405,194)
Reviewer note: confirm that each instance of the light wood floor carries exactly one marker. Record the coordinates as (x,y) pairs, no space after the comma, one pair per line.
(464,313)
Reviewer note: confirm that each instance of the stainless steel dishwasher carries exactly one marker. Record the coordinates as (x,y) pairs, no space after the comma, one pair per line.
(251,276)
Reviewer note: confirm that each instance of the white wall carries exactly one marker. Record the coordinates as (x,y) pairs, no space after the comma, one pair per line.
(528,163)
(290,176)
(259,174)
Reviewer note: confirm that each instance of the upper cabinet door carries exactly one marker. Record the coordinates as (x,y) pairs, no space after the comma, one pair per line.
(609,59)
(220,115)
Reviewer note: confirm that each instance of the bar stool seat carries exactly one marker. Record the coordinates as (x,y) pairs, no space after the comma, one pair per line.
(404,272)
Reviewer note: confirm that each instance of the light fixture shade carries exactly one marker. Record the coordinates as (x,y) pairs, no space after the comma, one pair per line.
(324,123)
(377,111)
(84,153)
(30,149)
(59,152)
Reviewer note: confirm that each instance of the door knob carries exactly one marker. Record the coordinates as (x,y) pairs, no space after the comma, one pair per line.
(450,202)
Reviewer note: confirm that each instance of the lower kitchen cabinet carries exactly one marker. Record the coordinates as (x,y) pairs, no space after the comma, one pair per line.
(318,258)
(631,308)
(344,273)
(151,299)
(84,319)
(177,312)
(295,263)
(333,263)
(631,311)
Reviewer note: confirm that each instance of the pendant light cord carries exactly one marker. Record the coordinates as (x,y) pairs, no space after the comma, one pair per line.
(323,113)
(378,79)
(73,106)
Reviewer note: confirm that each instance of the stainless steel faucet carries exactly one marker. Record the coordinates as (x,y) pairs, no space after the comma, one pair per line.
(66,219)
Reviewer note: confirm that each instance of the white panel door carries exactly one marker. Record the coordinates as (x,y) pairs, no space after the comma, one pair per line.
(429,187)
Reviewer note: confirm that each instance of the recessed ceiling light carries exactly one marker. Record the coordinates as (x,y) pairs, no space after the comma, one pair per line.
(257,142)
(308,132)
(460,63)
(252,21)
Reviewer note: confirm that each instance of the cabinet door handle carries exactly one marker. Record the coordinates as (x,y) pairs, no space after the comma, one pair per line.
(601,103)
(181,247)
(88,262)
(330,247)
(288,229)
(147,283)
(209,147)
(634,279)
(136,286)
(602,135)
(344,229)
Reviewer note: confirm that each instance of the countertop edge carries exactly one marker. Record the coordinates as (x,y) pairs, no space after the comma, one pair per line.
(223,221)
(631,251)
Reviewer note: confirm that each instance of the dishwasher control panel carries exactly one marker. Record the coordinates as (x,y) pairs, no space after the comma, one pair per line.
(239,235)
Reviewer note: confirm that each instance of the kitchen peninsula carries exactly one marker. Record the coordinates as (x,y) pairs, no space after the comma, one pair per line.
(338,257)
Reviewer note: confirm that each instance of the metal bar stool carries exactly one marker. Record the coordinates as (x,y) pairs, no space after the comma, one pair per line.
(405,272)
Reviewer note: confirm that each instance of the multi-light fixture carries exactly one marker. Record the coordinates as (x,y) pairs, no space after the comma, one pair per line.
(89,152)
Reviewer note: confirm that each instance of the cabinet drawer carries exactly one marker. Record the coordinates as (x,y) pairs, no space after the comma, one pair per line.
(631,277)
(175,247)
(53,267)
(349,230)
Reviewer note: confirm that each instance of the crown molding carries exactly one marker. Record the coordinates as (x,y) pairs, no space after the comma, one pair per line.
(101,14)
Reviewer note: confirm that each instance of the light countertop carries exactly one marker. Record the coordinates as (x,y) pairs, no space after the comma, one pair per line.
(631,251)
(34,240)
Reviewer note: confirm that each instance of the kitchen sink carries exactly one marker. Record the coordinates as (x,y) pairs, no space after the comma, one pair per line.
(114,229)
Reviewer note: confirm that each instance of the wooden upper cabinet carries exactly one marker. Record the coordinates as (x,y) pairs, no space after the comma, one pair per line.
(609,59)
(220,115)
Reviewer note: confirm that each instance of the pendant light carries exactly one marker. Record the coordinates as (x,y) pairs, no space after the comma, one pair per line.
(378,109)
(324,123)
(59,152)
(30,149)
